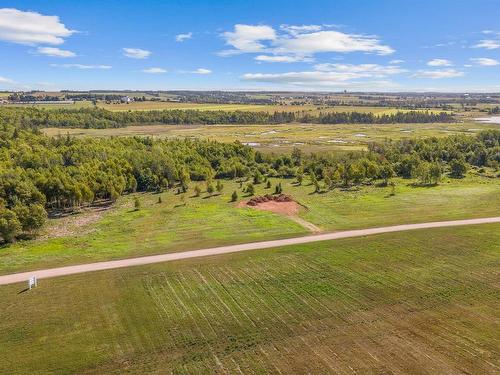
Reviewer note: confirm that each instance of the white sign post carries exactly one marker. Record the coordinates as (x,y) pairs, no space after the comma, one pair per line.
(32,282)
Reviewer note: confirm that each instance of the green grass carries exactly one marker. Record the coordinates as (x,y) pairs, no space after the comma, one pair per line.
(170,226)
(415,302)
(372,206)
(282,138)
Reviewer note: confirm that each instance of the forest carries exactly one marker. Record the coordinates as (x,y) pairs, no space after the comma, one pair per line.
(40,174)
(100,118)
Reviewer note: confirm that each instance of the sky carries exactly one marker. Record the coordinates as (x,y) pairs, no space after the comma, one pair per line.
(315,45)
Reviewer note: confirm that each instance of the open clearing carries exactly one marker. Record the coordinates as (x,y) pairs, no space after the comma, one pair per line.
(100,266)
(204,222)
(422,301)
(282,138)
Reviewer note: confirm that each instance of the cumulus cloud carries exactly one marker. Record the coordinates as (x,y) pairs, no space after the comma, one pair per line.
(301,41)
(201,71)
(282,58)
(439,62)
(493,41)
(295,29)
(331,41)
(183,37)
(485,61)
(31,28)
(136,53)
(81,66)
(438,74)
(154,70)
(248,38)
(329,75)
(488,44)
(55,52)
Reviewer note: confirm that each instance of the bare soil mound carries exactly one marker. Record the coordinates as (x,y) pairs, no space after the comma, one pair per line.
(281,204)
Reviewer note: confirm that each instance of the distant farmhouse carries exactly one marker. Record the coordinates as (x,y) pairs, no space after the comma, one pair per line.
(126,99)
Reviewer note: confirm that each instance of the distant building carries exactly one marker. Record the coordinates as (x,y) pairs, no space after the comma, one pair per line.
(125,99)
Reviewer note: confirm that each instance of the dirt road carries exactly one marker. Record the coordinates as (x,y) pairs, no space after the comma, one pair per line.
(99,266)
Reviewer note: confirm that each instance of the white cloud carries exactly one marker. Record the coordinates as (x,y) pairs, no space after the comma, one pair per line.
(439,62)
(248,38)
(330,75)
(282,58)
(31,28)
(6,80)
(55,52)
(154,70)
(183,37)
(361,70)
(484,61)
(331,41)
(488,44)
(492,43)
(437,74)
(136,53)
(201,71)
(295,29)
(395,62)
(302,42)
(81,66)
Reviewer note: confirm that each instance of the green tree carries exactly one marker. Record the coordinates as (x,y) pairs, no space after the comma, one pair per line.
(184,179)
(10,227)
(219,186)
(234,196)
(300,178)
(257,177)
(250,189)
(210,189)
(435,172)
(137,203)
(31,217)
(197,191)
(458,168)
(386,172)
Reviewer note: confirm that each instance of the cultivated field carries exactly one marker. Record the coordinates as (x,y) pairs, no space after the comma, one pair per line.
(415,302)
(200,222)
(270,108)
(282,138)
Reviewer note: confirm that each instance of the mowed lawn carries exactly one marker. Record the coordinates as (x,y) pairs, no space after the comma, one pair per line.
(201,222)
(422,301)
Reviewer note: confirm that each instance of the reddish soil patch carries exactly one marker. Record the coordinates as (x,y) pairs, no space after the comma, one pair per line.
(280,204)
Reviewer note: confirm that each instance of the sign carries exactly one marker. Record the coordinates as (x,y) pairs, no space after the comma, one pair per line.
(32,282)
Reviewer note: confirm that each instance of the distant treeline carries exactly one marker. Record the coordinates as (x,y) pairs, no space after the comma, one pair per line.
(100,118)
(494,111)
(40,173)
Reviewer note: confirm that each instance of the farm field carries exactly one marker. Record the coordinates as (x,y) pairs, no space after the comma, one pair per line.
(270,108)
(283,138)
(420,301)
(203,222)
(306,108)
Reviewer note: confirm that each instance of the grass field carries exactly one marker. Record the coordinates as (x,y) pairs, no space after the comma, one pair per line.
(415,302)
(309,108)
(282,138)
(204,222)
(270,108)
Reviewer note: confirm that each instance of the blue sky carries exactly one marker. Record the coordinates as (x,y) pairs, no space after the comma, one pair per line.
(388,45)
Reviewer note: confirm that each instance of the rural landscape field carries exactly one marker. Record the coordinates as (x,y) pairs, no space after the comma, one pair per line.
(227,188)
